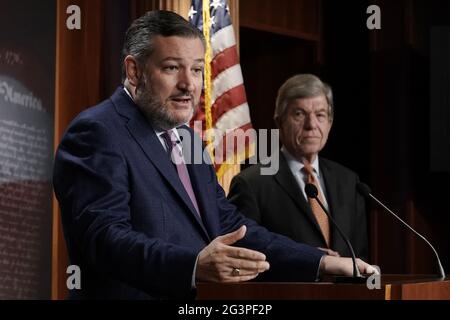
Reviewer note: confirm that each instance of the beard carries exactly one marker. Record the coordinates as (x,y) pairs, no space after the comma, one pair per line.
(156,111)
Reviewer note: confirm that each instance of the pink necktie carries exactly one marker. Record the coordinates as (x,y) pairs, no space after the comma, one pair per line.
(177,158)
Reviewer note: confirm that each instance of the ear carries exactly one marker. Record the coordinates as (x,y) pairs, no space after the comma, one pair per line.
(279,124)
(131,70)
(277,121)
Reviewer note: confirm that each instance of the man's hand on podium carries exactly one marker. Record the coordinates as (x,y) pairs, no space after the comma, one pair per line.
(339,266)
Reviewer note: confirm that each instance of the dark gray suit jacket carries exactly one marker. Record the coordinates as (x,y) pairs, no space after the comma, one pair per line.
(277,203)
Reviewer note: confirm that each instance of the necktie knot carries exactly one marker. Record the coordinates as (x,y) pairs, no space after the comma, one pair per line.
(308,168)
(170,138)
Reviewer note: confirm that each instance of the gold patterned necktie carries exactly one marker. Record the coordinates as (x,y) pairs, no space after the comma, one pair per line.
(317,210)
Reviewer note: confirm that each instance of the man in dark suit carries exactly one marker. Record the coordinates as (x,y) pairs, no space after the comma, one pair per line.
(140,218)
(304,116)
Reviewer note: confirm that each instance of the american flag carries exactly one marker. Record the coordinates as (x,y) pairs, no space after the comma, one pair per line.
(228,102)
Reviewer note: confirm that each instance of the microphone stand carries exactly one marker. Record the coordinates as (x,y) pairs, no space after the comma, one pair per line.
(312,192)
(441,269)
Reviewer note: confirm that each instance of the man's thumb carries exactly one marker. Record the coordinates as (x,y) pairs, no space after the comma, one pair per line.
(234,236)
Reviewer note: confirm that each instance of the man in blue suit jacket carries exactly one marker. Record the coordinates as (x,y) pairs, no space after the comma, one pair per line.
(130,221)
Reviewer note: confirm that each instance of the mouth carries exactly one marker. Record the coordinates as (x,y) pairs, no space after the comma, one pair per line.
(309,140)
(182,102)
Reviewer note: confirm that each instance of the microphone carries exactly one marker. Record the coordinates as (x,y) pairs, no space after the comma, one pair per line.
(364,190)
(312,192)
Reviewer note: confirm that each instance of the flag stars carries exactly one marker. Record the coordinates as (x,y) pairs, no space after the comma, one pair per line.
(216,3)
(191,13)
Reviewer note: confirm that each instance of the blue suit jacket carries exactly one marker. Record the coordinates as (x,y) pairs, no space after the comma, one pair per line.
(129,223)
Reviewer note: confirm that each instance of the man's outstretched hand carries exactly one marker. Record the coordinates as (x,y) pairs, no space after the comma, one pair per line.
(221,262)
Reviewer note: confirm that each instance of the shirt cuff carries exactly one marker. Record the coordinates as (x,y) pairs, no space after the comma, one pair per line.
(318,269)
(193,274)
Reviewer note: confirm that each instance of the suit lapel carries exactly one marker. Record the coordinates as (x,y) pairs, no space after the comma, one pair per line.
(288,182)
(150,144)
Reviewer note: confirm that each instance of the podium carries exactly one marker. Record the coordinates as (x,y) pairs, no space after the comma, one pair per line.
(392,287)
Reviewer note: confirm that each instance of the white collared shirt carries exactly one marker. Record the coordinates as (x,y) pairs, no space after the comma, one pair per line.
(300,176)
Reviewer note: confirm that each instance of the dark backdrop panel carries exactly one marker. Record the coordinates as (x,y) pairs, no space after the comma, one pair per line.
(27,69)
(440,100)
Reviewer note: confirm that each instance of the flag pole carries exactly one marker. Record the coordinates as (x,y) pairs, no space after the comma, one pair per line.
(207,79)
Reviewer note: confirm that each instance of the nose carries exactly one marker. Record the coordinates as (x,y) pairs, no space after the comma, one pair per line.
(310,122)
(186,81)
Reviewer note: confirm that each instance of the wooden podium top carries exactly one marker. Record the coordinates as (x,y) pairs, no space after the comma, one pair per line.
(392,287)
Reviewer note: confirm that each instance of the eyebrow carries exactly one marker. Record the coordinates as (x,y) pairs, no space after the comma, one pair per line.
(324,109)
(181,59)
(303,108)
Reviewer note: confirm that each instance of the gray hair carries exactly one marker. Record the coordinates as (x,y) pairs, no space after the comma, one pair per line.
(302,86)
(138,38)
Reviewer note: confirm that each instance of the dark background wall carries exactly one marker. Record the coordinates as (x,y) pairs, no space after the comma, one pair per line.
(386,127)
